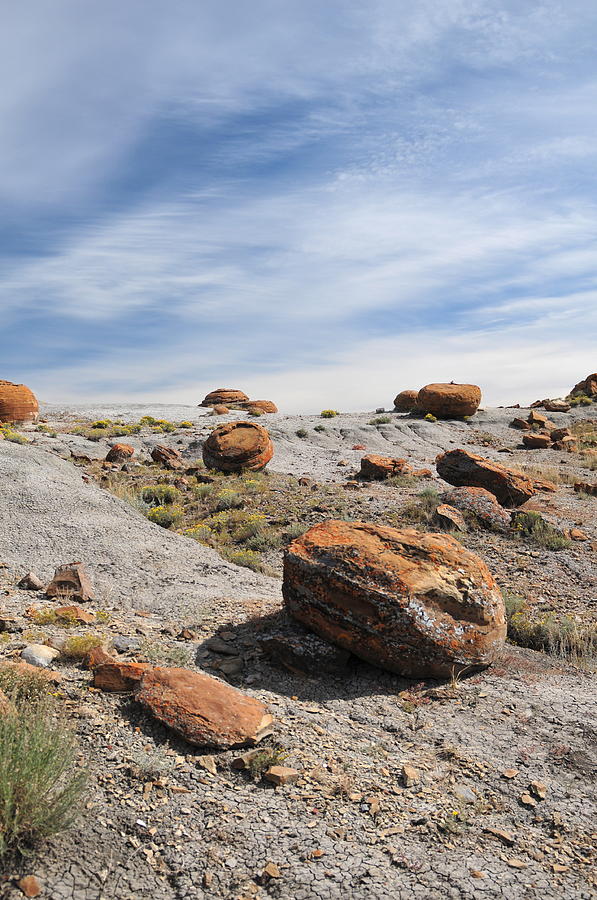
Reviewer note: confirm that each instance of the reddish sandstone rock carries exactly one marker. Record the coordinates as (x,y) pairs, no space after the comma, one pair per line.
(556,405)
(464,469)
(25,668)
(405,401)
(481,504)
(418,604)
(119,676)
(238,446)
(71,581)
(568,443)
(97,656)
(535,418)
(75,613)
(264,406)
(449,401)
(224,397)
(522,424)
(204,711)
(120,453)
(17,404)
(374,467)
(588,387)
(558,434)
(536,441)
(168,457)
(448,516)
(220,410)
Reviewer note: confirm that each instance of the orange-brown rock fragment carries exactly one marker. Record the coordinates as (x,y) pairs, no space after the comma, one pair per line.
(588,387)
(118,676)
(536,441)
(204,711)
(237,447)
(168,457)
(120,453)
(71,581)
(512,488)
(405,401)
(264,406)
(74,613)
(17,404)
(447,401)
(374,467)
(418,604)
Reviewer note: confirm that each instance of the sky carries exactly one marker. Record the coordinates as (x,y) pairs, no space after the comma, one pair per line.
(318,203)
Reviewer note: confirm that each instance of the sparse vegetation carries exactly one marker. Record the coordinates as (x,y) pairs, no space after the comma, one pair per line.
(430,417)
(422,509)
(79,646)
(329,413)
(560,636)
(10,434)
(380,420)
(533,527)
(320,428)
(301,432)
(264,759)
(161,494)
(162,655)
(165,516)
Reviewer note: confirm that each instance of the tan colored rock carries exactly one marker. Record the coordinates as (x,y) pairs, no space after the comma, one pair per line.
(168,457)
(71,581)
(238,447)
(535,418)
(418,604)
(575,534)
(410,775)
(536,441)
(120,453)
(556,406)
(204,711)
(512,488)
(449,401)
(521,424)
(374,467)
(30,582)
(263,406)
(75,613)
(219,410)
(405,401)
(30,886)
(17,404)
(224,397)
(568,444)
(97,656)
(588,387)
(279,775)
(448,516)
(119,676)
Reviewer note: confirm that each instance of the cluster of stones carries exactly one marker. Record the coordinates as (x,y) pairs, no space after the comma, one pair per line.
(70,581)
(444,401)
(541,434)
(510,487)
(586,388)
(222,400)
(18,404)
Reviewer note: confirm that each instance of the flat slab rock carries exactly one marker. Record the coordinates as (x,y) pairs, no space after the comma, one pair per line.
(510,487)
(417,604)
(202,710)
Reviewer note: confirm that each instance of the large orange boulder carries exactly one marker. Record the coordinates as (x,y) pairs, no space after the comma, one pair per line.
(238,446)
(17,404)
(405,401)
(120,453)
(204,711)
(512,488)
(263,406)
(449,401)
(224,397)
(418,604)
(588,387)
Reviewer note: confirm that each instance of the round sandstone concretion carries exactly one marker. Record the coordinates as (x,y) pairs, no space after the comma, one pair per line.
(405,401)
(224,397)
(120,453)
(17,403)
(418,604)
(449,401)
(238,446)
(264,406)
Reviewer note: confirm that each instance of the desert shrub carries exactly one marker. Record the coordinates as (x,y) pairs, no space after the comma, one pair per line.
(585,401)
(264,540)
(166,516)
(401,480)
(380,420)
(253,484)
(202,491)
(22,686)
(45,429)
(295,530)
(161,494)
(79,646)
(229,499)
(247,558)
(329,413)
(533,527)
(422,508)
(301,432)
(320,428)
(148,421)
(160,654)
(256,413)
(125,491)
(49,616)
(101,424)
(13,436)
(200,533)
(265,759)
(185,424)
(234,525)
(563,637)
(40,787)
(430,417)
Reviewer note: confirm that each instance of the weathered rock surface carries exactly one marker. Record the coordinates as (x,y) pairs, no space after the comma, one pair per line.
(375,468)
(448,401)
(405,401)
(118,676)
(238,446)
(39,655)
(536,441)
(71,581)
(418,604)
(480,503)
(18,404)
(264,406)
(588,387)
(447,516)
(204,711)
(224,397)
(461,468)
(585,487)
(30,582)
(521,424)
(220,410)
(556,405)
(168,457)
(120,453)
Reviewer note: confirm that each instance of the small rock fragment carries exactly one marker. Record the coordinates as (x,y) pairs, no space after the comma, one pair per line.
(208,763)
(30,886)
(119,676)
(71,581)
(30,582)
(538,790)
(527,800)
(410,775)
(271,870)
(279,775)
(39,655)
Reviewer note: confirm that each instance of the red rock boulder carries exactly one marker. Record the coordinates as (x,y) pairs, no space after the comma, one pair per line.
(17,404)
(405,401)
(588,387)
(418,604)
(224,397)
(168,457)
(120,453)
(449,401)
(374,467)
(71,582)
(464,469)
(238,447)
(204,711)
(481,504)
(536,441)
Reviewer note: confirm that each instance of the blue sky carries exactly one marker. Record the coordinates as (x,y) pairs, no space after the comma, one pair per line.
(320,204)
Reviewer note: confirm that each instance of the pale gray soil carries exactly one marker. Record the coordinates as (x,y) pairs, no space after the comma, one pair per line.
(158,825)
